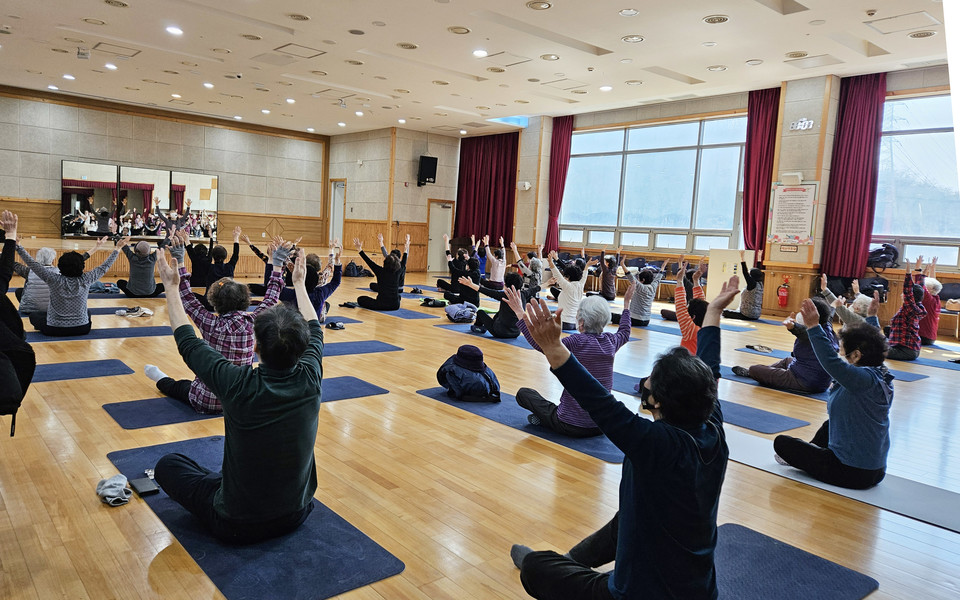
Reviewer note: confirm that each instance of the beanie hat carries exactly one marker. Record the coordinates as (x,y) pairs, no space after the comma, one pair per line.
(470,357)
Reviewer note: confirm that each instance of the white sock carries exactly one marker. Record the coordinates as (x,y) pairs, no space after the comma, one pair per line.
(154,373)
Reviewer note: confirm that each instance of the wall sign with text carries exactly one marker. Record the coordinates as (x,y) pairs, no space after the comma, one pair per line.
(792,213)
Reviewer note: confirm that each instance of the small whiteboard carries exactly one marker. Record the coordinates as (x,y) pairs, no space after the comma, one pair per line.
(724,264)
(792,213)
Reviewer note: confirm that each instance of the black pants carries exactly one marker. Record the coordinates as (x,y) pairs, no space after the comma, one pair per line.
(122,284)
(178,390)
(445,286)
(555,292)
(821,463)
(548,575)
(39,322)
(379,303)
(375,288)
(736,314)
(615,317)
(668,315)
(531,400)
(493,325)
(19,294)
(923,341)
(902,353)
(193,487)
(257,289)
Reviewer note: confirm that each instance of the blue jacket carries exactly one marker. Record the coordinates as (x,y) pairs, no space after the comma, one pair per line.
(467,385)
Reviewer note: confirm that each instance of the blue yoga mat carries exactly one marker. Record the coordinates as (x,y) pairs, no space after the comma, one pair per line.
(727,373)
(80,370)
(723,326)
(403,295)
(748,417)
(406,313)
(519,342)
(904,376)
(120,296)
(363,347)
(511,414)
(105,334)
(153,412)
(339,319)
(324,557)
(939,364)
(752,566)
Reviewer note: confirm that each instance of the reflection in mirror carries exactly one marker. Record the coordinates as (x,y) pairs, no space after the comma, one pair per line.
(88,197)
(199,192)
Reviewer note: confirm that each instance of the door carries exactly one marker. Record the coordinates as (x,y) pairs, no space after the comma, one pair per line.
(338,202)
(439,222)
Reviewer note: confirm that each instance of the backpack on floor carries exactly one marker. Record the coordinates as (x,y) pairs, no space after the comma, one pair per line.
(352,270)
(884,257)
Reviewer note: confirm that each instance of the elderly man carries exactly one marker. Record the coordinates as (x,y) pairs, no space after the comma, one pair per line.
(142,262)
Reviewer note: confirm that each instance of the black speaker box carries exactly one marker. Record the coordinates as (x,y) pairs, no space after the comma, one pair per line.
(427,172)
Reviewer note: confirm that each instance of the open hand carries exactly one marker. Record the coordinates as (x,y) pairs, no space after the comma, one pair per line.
(299,273)
(628,295)
(169,272)
(874,307)
(358,244)
(809,313)
(9,220)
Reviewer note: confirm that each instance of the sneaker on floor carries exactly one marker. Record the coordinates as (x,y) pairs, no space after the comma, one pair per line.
(780,461)
(533,419)
(741,371)
(145,312)
(136,311)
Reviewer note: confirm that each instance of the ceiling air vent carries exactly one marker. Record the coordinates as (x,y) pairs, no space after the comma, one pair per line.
(716,19)
(796,54)
(919,35)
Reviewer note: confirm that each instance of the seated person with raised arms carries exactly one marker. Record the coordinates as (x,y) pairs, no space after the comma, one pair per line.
(269,475)
(388,279)
(751,299)
(904,336)
(504,323)
(17,359)
(142,263)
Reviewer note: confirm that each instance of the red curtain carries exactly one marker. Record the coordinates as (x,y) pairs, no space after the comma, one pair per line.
(763,115)
(852,193)
(487,187)
(176,193)
(560,144)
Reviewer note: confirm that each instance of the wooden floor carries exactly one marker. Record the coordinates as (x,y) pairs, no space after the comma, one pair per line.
(443,490)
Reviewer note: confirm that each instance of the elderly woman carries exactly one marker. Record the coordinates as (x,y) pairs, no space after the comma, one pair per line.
(850,448)
(904,337)
(931,302)
(34,296)
(593,348)
(571,281)
(859,310)
(67,313)
(503,324)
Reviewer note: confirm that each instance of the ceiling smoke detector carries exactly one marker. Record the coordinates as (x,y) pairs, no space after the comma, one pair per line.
(715,19)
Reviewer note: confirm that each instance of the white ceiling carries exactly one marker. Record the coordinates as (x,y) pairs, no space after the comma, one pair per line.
(440,86)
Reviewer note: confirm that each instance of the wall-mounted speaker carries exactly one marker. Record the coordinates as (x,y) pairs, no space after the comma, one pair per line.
(427,173)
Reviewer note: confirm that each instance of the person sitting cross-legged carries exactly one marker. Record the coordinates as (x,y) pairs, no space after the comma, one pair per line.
(664,535)
(594,349)
(270,414)
(504,323)
(388,279)
(904,337)
(142,263)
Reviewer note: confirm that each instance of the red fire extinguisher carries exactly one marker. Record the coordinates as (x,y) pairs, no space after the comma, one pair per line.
(783,293)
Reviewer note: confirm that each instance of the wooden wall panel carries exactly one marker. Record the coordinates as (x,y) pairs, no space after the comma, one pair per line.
(417,260)
(37,217)
(367,232)
(312,229)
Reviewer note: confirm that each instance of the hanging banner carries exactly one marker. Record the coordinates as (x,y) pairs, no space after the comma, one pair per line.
(792,214)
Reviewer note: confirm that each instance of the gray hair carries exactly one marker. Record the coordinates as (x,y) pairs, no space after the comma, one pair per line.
(860,304)
(142,248)
(933,286)
(594,313)
(45,256)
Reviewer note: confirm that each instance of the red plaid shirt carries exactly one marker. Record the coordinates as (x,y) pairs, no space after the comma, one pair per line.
(905,325)
(230,334)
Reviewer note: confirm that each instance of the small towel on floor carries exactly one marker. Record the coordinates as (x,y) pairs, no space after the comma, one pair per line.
(114,491)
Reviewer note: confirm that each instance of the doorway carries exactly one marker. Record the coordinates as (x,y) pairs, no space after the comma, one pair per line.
(439,222)
(338,207)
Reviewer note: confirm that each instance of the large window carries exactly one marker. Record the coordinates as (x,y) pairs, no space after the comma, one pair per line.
(918,200)
(674,186)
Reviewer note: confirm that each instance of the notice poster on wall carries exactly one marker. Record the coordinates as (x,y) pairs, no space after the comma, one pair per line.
(792,214)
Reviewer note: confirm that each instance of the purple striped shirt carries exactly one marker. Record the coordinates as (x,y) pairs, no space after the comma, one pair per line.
(596,353)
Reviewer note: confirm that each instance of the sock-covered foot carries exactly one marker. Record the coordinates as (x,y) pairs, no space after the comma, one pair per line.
(741,372)
(518,553)
(154,372)
(780,460)
(533,419)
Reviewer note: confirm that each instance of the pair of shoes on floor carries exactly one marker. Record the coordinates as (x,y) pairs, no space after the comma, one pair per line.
(136,311)
(741,371)
(335,325)
(760,348)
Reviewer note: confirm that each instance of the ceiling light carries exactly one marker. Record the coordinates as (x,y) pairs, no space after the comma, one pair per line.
(319,73)
(69,76)
(632,39)
(251,36)
(633,82)
(52,87)
(459,30)
(238,117)
(407,45)
(538,5)
(359,113)
(356,32)
(796,54)
(265,111)
(94,22)
(175,96)
(208,85)
(440,82)
(491,69)
(341,124)
(715,19)
(606,88)
(919,35)
(754,62)
(626,61)
(401,121)
(378,23)
(290,100)
(629,12)
(116,3)
(709,44)
(174,30)
(355,63)
(59,50)
(298,17)
(111,66)
(463,132)
(578,91)
(187,63)
(549,57)
(480,53)
(221,50)
(817,22)
(717,68)
(310,130)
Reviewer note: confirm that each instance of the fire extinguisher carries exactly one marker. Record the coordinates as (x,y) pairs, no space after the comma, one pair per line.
(783,293)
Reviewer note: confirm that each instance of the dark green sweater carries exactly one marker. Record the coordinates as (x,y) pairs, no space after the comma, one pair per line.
(270,417)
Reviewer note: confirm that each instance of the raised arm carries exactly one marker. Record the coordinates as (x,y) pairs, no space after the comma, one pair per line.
(303,298)
(708,341)
(746,273)
(236,246)
(847,375)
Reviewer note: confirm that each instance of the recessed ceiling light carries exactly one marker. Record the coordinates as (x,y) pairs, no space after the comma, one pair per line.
(626,61)
(356,31)
(214,102)
(319,73)
(415,118)
(72,40)
(458,29)
(606,88)
(581,92)
(629,12)
(35,72)
(463,132)
(310,130)
(94,22)
(221,50)
(359,113)
(549,57)
(401,121)
(709,44)
(187,63)
(538,5)
(401,91)
(796,54)
(493,70)
(355,63)
(251,36)
(480,53)
(262,89)
(341,124)
(238,117)
(522,101)
(482,107)
(715,19)
(919,35)
(265,111)
(632,39)
(717,68)
(111,66)
(170,72)
(298,17)
(175,96)
(441,114)
(330,42)
(208,85)
(407,45)
(533,80)
(116,3)
(378,23)
(286,83)
(754,62)
(633,82)
(52,87)
(817,22)
(290,100)
(133,89)
(174,30)
(440,82)
(68,76)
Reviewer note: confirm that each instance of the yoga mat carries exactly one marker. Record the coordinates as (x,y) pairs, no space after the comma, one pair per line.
(339,319)
(905,497)
(406,313)
(727,373)
(364,347)
(752,566)
(121,295)
(904,376)
(80,370)
(108,333)
(519,342)
(735,414)
(723,326)
(326,556)
(508,412)
(153,412)
(403,295)
(930,362)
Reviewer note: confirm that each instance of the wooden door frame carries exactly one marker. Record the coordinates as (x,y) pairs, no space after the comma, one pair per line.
(330,184)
